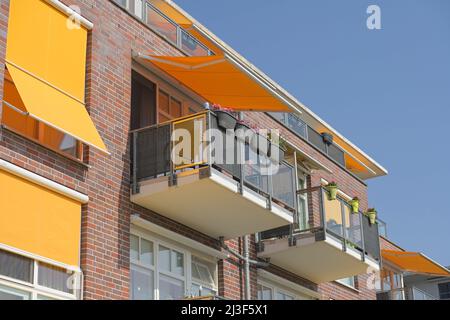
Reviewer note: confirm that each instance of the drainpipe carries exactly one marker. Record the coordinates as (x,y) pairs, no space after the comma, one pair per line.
(247,262)
(247,268)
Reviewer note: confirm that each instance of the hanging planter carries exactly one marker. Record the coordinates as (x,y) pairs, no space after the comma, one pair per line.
(372,215)
(225,118)
(354,203)
(332,189)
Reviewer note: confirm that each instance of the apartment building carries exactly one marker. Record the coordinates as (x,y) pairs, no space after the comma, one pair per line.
(93,204)
(407,275)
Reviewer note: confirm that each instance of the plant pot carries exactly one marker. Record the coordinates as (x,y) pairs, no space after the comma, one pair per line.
(276,153)
(332,192)
(355,205)
(372,215)
(226,120)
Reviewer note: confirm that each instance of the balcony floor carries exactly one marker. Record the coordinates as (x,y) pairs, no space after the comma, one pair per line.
(211,204)
(318,261)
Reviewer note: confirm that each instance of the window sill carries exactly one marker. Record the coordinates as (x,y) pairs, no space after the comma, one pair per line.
(62,154)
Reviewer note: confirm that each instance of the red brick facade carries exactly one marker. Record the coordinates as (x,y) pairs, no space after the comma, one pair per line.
(106,180)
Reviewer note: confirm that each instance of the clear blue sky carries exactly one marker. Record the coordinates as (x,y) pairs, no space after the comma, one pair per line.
(394,81)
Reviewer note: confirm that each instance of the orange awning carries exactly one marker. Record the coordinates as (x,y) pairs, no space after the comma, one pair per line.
(221,80)
(414,262)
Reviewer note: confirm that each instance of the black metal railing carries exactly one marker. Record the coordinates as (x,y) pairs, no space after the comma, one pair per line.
(153,156)
(333,218)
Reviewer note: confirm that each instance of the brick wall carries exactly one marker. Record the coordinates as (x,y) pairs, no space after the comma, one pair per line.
(4,12)
(106,218)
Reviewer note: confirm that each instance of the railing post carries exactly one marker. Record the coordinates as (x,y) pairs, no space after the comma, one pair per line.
(241,156)
(135,188)
(172,176)
(344,228)
(296,224)
(322,211)
(269,186)
(363,240)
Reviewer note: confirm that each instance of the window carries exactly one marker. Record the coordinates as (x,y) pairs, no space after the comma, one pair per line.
(15,118)
(160,272)
(169,107)
(22,278)
(269,290)
(143,102)
(264,293)
(156,101)
(203,283)
(164,26)
(350,282)
(444,291)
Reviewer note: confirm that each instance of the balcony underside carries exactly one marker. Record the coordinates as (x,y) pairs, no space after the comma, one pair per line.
(208,201)
(316,260)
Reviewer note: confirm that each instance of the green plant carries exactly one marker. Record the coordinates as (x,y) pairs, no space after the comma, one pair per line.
(354,203)
(332,189)
(372,215)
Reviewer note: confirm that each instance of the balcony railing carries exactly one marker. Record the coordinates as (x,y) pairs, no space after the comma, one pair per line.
(154,156)
(164,26)
(335,219)
(414,293)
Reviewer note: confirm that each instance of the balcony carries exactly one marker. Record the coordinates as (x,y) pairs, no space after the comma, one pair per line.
(330,243)
(199,189)
(148,12)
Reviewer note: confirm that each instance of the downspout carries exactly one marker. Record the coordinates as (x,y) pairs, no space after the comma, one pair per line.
(247,268)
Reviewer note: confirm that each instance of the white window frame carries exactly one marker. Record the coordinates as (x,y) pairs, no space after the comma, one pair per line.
(351,286)
(34,288)
(187,260)
(276,289)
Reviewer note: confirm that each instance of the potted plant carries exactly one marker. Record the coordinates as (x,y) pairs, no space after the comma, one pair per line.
(332,189)
(277,147)
(225,118)
(372,215)
(354,203)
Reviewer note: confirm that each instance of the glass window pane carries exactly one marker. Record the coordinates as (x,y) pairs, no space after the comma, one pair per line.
(136,8)
(163,102)
(146,252)
(195,290)
(15,266)
(283,296)
(170,288)
(177,263)
(264,293)
(7,293)
(175,108)
(161,25)
(164,258)
(134,248)
(296,125)
(191,45)
(336,154)
(142,283)
(316,139)
(195,272)
(55,278)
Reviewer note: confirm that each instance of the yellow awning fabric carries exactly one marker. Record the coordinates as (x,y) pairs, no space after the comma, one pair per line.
(50,52)
(55,108)
(219,80)
(39,221)
(414,262)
